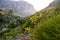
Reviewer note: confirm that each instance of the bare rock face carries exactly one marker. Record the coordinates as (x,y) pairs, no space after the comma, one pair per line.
(21,8)
(55,3)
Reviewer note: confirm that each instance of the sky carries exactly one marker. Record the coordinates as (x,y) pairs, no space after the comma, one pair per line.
(39,4)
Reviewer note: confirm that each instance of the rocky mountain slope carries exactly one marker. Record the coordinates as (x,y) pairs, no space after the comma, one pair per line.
(55,3)
(21,8)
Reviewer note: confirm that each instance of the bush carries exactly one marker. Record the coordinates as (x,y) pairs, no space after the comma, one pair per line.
(49,30)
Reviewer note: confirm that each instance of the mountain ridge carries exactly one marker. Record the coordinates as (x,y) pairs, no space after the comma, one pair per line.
(21,8)
(54,3)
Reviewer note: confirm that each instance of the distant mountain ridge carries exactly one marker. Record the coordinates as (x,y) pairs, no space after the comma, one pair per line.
(21,8)
(55,3)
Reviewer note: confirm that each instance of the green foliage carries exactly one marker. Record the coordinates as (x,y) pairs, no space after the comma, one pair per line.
(44,25)
(49,30)
(49,26)
(10,25)
(44,15)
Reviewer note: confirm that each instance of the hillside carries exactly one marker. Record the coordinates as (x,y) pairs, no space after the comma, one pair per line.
(10,25)
(47,22)
(43,25)
(45,14)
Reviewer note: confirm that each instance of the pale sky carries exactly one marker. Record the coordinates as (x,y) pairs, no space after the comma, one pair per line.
(39,4)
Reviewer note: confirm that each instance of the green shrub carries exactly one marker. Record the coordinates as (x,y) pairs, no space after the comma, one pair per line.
(49,30)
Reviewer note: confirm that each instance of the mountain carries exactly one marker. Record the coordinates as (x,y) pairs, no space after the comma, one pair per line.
(44,25)
(21,8)
(55,3)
